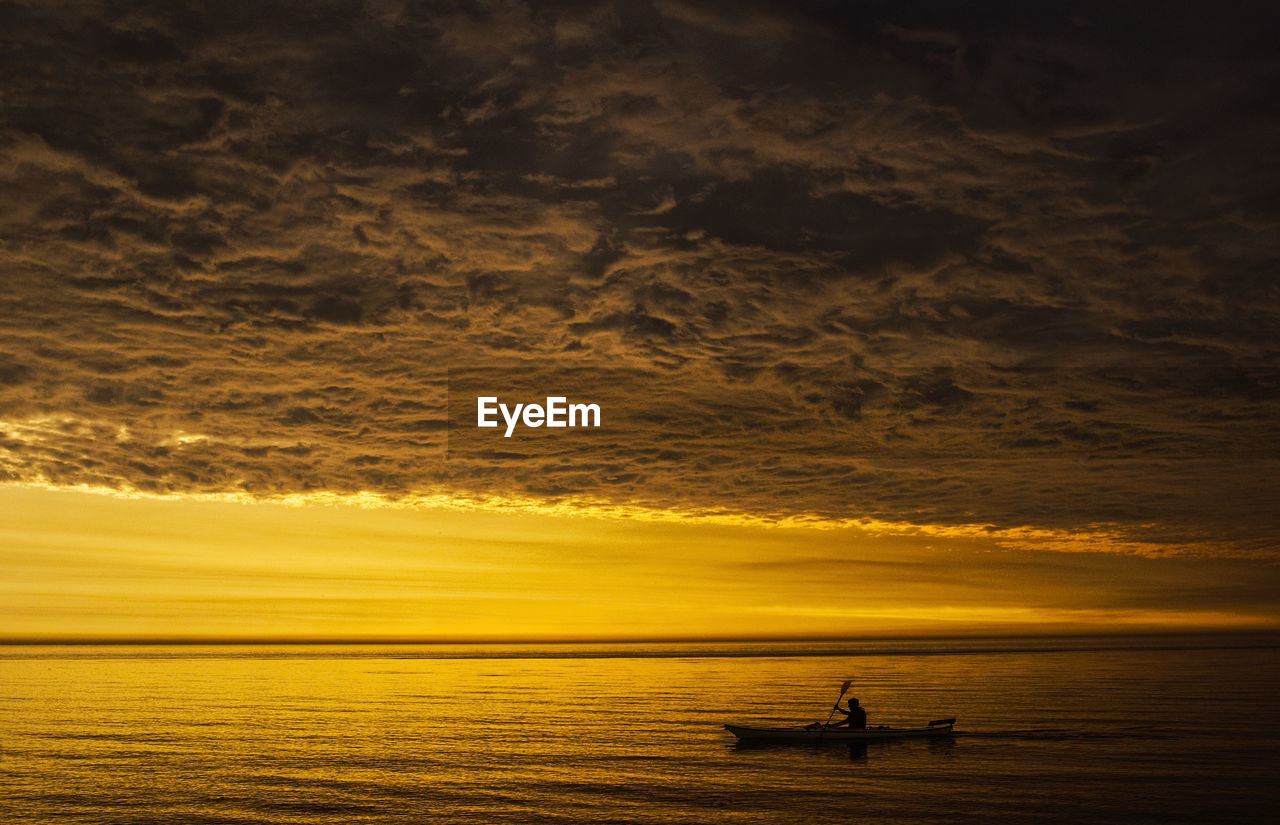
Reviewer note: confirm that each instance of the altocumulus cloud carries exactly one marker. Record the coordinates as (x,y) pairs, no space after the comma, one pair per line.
(1004,265)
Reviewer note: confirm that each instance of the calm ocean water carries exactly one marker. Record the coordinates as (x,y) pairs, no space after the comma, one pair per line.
(1159,730)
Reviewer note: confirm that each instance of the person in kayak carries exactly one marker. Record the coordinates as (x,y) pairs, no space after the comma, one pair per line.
(855,717)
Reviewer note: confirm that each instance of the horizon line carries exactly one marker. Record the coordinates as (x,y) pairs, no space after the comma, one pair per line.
(71,641)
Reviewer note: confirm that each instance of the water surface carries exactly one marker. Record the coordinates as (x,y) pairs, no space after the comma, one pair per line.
(1159,730)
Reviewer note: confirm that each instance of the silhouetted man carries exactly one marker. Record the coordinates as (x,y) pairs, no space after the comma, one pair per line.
(855,716)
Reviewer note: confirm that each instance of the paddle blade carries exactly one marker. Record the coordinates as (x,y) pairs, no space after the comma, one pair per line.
(845,687)
(936,722)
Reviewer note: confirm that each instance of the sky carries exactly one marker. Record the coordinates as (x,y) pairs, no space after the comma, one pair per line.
(902,317)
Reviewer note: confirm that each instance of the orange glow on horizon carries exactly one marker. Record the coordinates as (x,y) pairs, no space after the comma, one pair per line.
(83,565)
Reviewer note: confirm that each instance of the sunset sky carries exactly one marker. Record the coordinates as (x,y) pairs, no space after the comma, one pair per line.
(903,318)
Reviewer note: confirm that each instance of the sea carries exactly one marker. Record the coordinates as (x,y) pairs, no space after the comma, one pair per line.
(1150,729)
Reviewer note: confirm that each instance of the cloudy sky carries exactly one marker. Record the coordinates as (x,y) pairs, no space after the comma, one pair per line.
(1002,275)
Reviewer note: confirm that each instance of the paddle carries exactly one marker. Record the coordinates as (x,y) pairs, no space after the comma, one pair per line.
(843,690)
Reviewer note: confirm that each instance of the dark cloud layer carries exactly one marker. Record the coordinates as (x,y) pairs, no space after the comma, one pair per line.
(1006,264)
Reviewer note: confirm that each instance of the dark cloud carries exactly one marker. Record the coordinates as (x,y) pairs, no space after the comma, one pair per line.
(933,263)
(1049,580)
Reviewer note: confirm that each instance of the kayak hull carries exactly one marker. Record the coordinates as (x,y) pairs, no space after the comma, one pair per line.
(877,734)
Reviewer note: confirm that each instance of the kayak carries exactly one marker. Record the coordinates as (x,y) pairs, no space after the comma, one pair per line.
(938,727)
